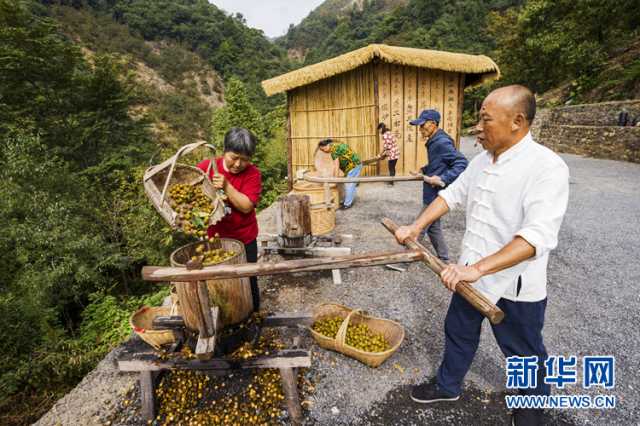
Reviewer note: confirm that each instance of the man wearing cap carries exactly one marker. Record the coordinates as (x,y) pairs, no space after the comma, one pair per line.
(445,165)
(515,194)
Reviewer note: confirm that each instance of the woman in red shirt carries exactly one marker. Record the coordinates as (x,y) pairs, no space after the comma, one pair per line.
(242,183)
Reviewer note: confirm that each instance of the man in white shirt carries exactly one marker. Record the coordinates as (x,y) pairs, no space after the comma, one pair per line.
(515,194)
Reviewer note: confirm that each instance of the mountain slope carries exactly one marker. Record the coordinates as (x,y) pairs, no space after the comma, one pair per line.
(338,26)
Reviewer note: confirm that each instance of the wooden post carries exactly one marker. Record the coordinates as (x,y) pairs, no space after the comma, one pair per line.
(290,388)
(289,145)
(295,219)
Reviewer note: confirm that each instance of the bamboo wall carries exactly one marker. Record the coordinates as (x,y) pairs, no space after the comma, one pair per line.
(403,92)
(349,106)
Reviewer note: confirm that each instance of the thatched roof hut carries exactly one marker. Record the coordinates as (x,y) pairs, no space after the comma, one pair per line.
(347,96)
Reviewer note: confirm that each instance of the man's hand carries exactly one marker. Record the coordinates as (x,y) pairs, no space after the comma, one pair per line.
(451,275)
(405,232)
(434,181)
(219,182)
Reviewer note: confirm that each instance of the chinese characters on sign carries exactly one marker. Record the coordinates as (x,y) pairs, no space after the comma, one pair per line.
(522,372)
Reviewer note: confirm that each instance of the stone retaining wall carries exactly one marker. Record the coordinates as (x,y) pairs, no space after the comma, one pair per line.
(609,142)
(591,130)
(600,114)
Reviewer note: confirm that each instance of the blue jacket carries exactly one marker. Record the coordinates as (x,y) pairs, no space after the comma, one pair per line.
(444,161)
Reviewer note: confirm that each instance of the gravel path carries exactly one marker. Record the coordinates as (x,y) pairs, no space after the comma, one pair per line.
(592,306)
(592,310)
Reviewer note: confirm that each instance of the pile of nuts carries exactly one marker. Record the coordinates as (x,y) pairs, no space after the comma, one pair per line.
(358,336)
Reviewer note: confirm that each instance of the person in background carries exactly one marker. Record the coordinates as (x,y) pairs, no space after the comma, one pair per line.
(241,181)
(389,149)
(348,161)
(445,165)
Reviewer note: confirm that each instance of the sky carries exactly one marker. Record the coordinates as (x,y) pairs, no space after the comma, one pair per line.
(271,16)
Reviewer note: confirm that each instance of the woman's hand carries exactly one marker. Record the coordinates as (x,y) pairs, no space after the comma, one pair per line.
(219,182)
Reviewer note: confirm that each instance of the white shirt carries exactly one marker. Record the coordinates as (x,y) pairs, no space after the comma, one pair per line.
(524,194)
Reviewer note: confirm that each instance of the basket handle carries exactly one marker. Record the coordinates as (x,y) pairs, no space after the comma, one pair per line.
(174,160)
(341,335)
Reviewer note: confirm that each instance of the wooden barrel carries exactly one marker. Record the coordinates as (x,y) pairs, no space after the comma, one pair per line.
(323,205)
(231,295)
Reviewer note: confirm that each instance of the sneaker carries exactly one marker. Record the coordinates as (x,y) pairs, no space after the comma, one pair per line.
(428,392)
(345,207)
(526,417)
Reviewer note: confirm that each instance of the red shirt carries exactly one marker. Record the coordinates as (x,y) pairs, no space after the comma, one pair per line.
(238,225)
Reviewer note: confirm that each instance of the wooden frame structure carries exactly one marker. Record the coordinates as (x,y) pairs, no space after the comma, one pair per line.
(347,96)
(149,365)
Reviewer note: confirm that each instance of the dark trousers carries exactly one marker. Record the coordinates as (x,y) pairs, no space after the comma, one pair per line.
(519,334)
(251,250)
(392,167)
(436,236)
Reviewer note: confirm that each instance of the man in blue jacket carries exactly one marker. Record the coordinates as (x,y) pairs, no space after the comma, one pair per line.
(445,165)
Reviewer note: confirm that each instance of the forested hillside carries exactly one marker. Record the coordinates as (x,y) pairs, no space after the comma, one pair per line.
(540,43)
(87,101)
(93,91)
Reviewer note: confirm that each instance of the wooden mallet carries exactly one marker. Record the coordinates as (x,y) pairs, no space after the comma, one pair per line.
(464,289)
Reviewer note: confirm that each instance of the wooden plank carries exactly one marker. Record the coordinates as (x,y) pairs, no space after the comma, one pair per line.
(437,93)
(149,361)
(287,320)
(424,102)
(409,160)
(289,147)
(460,108)
(290,389)
(162,273)
(148,405)
(397,113)
(450,116)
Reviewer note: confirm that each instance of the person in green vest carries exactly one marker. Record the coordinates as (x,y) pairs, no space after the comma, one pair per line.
(348,161)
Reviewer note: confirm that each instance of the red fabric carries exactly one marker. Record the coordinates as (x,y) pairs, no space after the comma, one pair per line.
(238,225)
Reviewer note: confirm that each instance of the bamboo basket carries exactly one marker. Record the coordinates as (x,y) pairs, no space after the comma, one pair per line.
(141,322)
(392,331)
(157,179)
(324,201)
(231,295)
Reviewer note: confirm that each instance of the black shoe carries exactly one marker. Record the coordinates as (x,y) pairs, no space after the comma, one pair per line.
(346,207)
(526,417)
(428,392)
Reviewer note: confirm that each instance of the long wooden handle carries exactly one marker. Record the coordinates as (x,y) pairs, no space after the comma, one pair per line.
(464,289)
(360,179)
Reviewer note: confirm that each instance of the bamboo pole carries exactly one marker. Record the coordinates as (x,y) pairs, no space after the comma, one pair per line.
(364,179)
(162,273)
(464,289)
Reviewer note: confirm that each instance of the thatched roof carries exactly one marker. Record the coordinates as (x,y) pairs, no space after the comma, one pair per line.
(479,68)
